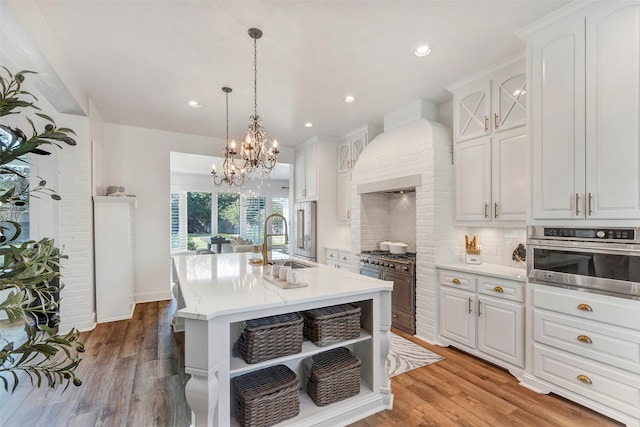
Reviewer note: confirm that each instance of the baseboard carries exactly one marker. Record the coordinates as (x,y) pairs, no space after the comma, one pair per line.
(153,296)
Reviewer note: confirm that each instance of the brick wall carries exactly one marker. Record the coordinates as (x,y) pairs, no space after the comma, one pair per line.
(424,148)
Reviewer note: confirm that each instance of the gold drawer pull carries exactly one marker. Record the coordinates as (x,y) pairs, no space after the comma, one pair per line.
(584,379)
(585,339)
(456,281)
(585,307)
(498,289)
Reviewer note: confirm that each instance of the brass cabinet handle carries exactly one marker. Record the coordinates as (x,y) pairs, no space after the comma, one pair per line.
(584,307)
(577,201)
(584,379)
(330,255)
(395,316)
(486,120)
(498,289)
(585,339)
(469,305)
(495,210)
(344,258)
(479,313)
(495,120)
(349,214)
(486,207)
(589,204)
(456,281)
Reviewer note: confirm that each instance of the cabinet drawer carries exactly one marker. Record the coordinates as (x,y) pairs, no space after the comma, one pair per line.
(499,288)
(599,308)
(457,280)
(347,258)
(604,343)
(606,385)
(333,255)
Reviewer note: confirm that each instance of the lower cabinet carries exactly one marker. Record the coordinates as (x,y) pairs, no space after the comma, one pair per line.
(342,259)
(484,316)
(586,347)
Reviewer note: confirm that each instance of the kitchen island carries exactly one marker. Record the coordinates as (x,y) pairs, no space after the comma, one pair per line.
(219,292)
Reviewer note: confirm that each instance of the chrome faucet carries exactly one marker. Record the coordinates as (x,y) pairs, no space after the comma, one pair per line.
(265,247)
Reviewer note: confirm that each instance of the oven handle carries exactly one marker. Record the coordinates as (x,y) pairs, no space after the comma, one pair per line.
(593,247)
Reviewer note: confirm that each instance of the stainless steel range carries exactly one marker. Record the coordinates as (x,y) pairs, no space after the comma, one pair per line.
(401,269)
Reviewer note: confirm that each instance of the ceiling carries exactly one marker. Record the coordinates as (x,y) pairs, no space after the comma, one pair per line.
(141,61)
(187,163)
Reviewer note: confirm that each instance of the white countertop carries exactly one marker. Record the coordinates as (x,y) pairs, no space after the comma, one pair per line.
(495,270)
(219,284)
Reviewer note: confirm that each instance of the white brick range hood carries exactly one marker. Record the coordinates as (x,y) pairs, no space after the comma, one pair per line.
(414,152)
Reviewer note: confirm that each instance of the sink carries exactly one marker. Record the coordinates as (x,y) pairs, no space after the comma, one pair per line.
(293,264)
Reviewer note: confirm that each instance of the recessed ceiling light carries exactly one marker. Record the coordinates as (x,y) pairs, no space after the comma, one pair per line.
(422,51)
(308,125)
(194,104)
(349,98)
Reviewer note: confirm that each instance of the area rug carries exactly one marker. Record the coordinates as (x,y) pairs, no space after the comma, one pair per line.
(405,356)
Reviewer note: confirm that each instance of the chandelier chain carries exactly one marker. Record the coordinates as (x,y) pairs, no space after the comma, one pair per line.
(255,77)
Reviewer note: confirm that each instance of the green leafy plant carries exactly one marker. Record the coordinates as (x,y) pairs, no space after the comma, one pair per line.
(30,270)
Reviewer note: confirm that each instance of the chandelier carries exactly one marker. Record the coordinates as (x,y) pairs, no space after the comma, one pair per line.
(259,156)
(231,174)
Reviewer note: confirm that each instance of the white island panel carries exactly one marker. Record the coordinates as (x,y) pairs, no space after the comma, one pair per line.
(221,291)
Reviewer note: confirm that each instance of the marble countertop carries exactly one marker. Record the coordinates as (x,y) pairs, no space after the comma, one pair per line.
(494,270)
(218,284)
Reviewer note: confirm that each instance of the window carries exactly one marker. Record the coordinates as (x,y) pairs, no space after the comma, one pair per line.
(255,212)
(279,205)
(228,215)
(15,175)
(178,221)
(198,220)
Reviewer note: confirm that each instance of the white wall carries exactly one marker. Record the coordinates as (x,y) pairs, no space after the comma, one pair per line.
(139,160)
(424,148)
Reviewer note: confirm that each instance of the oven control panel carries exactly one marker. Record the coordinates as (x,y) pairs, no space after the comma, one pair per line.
(591,233)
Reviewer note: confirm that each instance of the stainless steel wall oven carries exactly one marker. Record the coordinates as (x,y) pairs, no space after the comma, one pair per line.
(604,260)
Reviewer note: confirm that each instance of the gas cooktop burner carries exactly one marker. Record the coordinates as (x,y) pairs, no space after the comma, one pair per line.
(409,256)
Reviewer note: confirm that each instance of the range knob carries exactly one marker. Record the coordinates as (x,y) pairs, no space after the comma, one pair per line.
(386,264)
(377,262)
(392,266)
(600,234)
(405,268)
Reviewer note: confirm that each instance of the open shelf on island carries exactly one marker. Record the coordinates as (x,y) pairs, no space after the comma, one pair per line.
(237,366)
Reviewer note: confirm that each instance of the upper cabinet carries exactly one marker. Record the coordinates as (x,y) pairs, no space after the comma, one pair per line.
(490,104)
(352,145)
(490,147)
(306,173)
(585,113)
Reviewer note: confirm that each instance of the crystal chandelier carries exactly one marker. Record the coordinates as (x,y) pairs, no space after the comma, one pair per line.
(232,174)
(259,156)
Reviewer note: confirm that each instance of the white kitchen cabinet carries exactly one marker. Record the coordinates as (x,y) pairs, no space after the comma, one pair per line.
(491,178)
(306,178)
(490,102)
(491,146)
(473,180)
(353,144)
(484,316)
(344,196)
(342,259)
(113,219)
(585,114)
(586,347)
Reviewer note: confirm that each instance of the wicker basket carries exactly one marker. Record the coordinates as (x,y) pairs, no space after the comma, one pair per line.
(267,396)
(328,325)
(270,337)
(332,376)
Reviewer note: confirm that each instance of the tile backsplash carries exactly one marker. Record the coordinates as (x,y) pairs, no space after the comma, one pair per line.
(497,244)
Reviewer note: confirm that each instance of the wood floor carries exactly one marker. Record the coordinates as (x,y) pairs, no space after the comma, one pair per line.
(132,375)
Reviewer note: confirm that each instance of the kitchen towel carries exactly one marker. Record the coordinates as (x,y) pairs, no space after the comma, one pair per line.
(405,356)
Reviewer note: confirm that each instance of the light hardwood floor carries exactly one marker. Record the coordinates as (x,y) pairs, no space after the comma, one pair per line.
(133,375)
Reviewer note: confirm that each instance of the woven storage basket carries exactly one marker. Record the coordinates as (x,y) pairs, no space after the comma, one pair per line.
(267,396)
(270,337)
(332,324)
(332,376)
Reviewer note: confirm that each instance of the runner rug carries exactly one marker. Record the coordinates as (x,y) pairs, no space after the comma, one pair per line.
(405,356)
